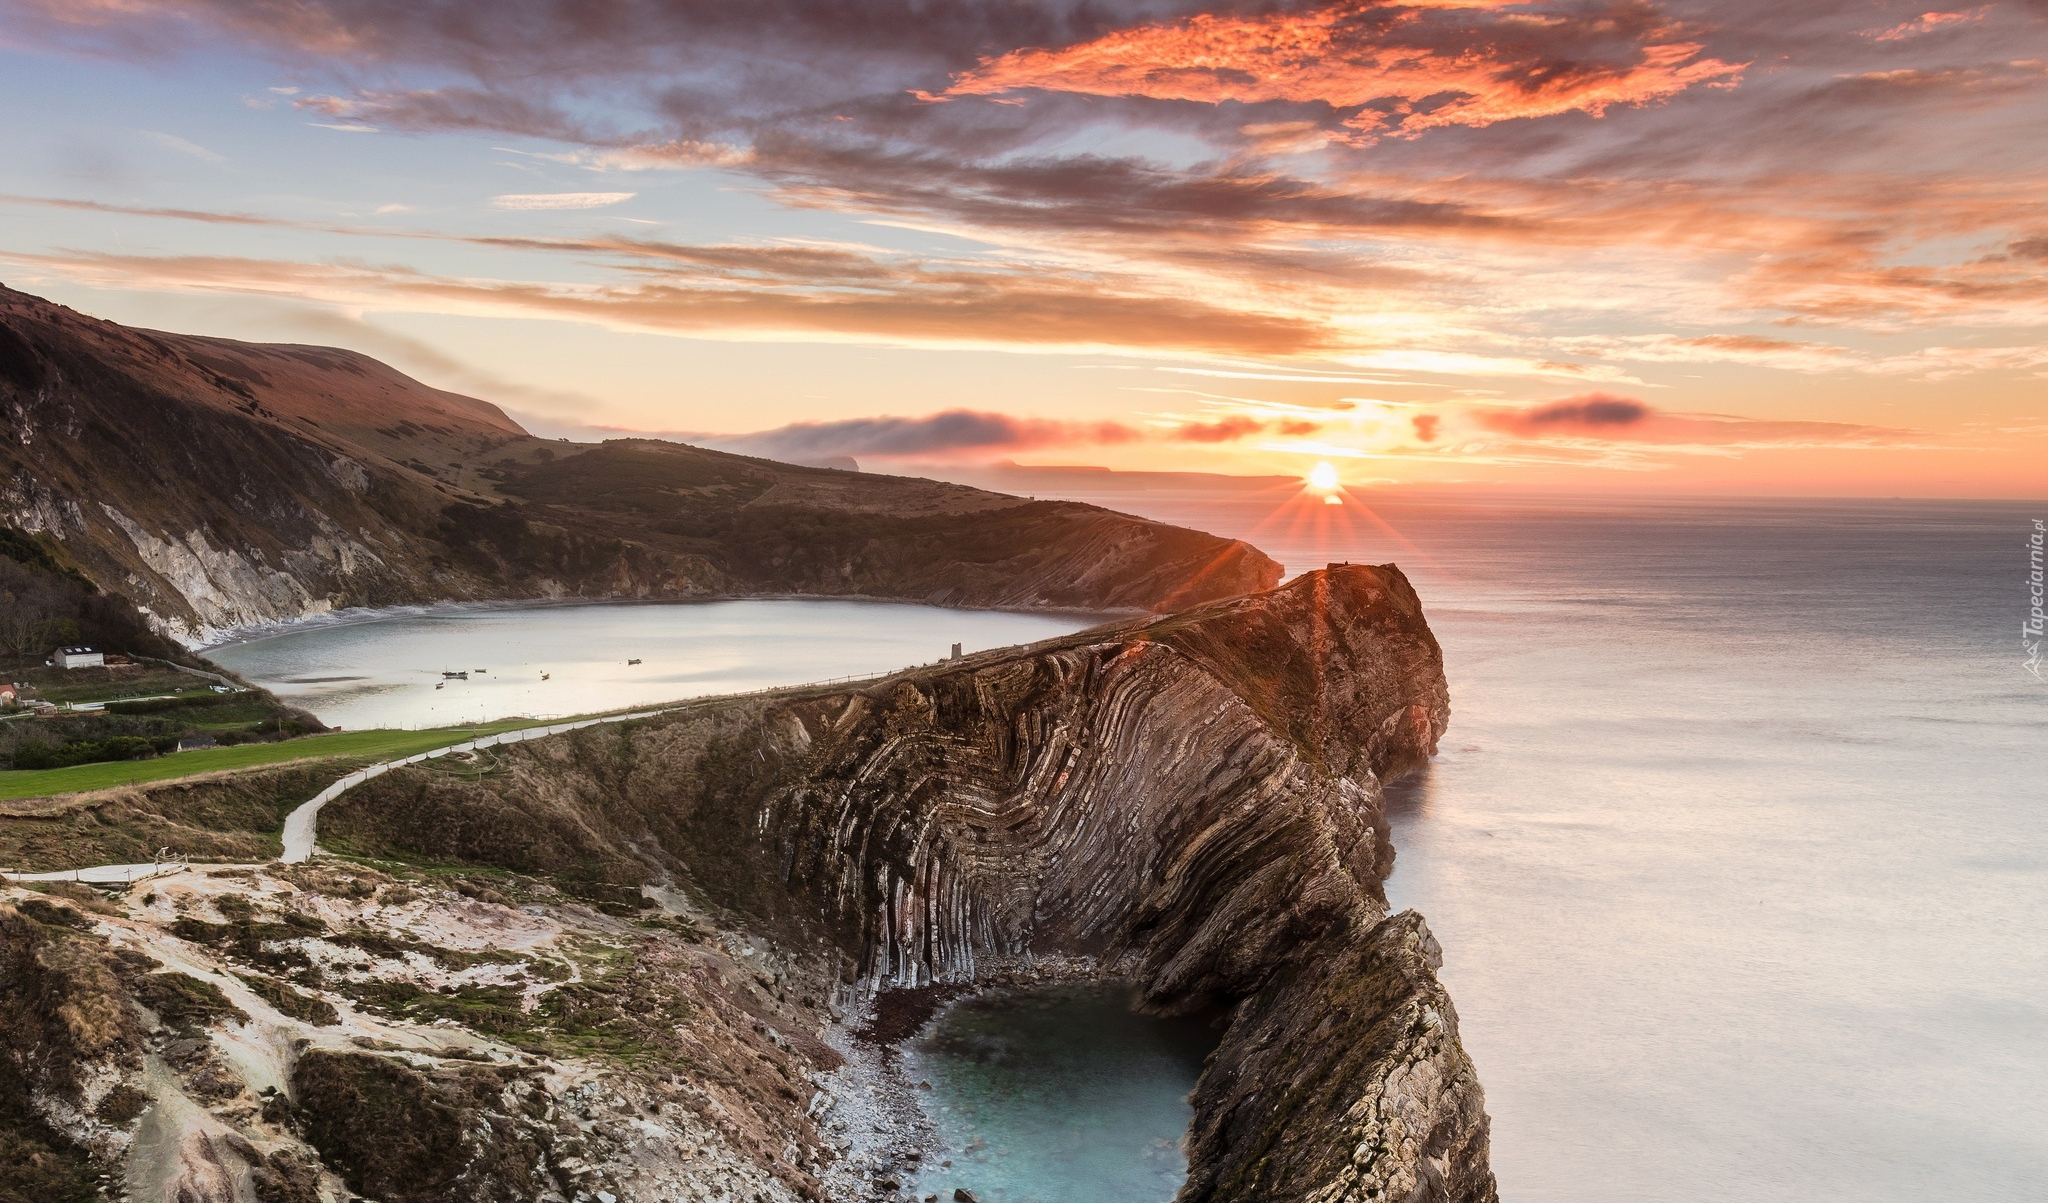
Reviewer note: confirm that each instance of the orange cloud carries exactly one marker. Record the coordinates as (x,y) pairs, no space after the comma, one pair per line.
(1237,427)
(1407,67)
(1928,23)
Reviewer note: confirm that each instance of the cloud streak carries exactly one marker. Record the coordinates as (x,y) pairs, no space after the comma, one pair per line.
(946,434)
(559,200)
(972,434)
(183,147)
(1595,413)
(1594,420)
(940,309)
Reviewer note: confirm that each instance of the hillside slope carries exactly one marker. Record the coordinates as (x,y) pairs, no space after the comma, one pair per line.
(220,483)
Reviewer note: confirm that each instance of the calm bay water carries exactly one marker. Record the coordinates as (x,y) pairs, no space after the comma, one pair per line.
(1736,845)
(379,669)
(1059,1095)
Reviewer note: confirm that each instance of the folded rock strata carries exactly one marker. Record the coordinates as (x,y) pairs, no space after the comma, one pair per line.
(1194,801)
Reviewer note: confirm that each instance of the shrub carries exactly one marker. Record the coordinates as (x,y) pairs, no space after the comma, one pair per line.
(185,1002)
(86,751)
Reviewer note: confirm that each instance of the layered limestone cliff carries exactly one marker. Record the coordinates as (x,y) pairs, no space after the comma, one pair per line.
(662,933)
(220,484)
(1193,802)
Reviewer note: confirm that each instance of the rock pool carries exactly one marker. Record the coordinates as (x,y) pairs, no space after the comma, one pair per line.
(1059,1094)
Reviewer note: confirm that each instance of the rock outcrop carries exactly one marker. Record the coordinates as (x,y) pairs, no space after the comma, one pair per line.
(69,1044)
(220,484)
(436,1040)
(1193,802)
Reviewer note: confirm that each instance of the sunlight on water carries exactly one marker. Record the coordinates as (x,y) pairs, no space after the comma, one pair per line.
(373,669)
(1059,1095)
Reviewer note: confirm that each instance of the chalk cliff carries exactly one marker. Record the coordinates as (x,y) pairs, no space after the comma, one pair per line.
(219,483)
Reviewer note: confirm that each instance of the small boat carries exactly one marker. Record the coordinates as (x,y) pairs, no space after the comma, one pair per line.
(440,684)
(543,676)
(456,676)
(479,670)
(632,662)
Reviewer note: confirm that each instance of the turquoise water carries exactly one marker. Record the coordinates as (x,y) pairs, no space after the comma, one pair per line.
(1058,1095)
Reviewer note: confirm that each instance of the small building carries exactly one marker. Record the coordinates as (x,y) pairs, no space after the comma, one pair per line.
(79,657)
(192,743)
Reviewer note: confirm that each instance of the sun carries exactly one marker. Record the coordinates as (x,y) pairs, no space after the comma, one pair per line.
(1323,476)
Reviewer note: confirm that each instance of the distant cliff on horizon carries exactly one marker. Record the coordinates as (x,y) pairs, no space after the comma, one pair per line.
(220,484)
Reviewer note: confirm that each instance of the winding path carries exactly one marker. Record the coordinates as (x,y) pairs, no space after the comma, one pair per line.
(299,831)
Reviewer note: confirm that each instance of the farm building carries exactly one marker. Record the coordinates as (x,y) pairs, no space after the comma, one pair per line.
(79,657)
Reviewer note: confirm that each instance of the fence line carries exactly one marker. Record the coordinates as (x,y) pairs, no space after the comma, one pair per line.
(105,874)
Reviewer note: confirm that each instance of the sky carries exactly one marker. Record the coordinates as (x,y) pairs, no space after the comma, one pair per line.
(1735,247)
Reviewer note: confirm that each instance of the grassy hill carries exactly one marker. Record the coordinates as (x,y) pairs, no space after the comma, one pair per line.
(221,483)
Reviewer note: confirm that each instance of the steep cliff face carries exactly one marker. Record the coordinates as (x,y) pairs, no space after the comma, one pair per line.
(1194,800)
(220,484)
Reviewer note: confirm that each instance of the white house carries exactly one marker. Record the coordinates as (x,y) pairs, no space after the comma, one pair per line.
(79,657)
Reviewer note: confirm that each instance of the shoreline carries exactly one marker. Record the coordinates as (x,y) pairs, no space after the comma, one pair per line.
(351,616)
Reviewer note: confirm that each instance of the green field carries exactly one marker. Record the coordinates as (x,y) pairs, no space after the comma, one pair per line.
(374,745)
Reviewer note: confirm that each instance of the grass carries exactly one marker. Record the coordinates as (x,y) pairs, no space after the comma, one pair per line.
(89,694)
(374,745)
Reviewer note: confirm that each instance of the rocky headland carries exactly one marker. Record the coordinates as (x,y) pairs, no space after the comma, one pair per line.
(656,959)
(220,484)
